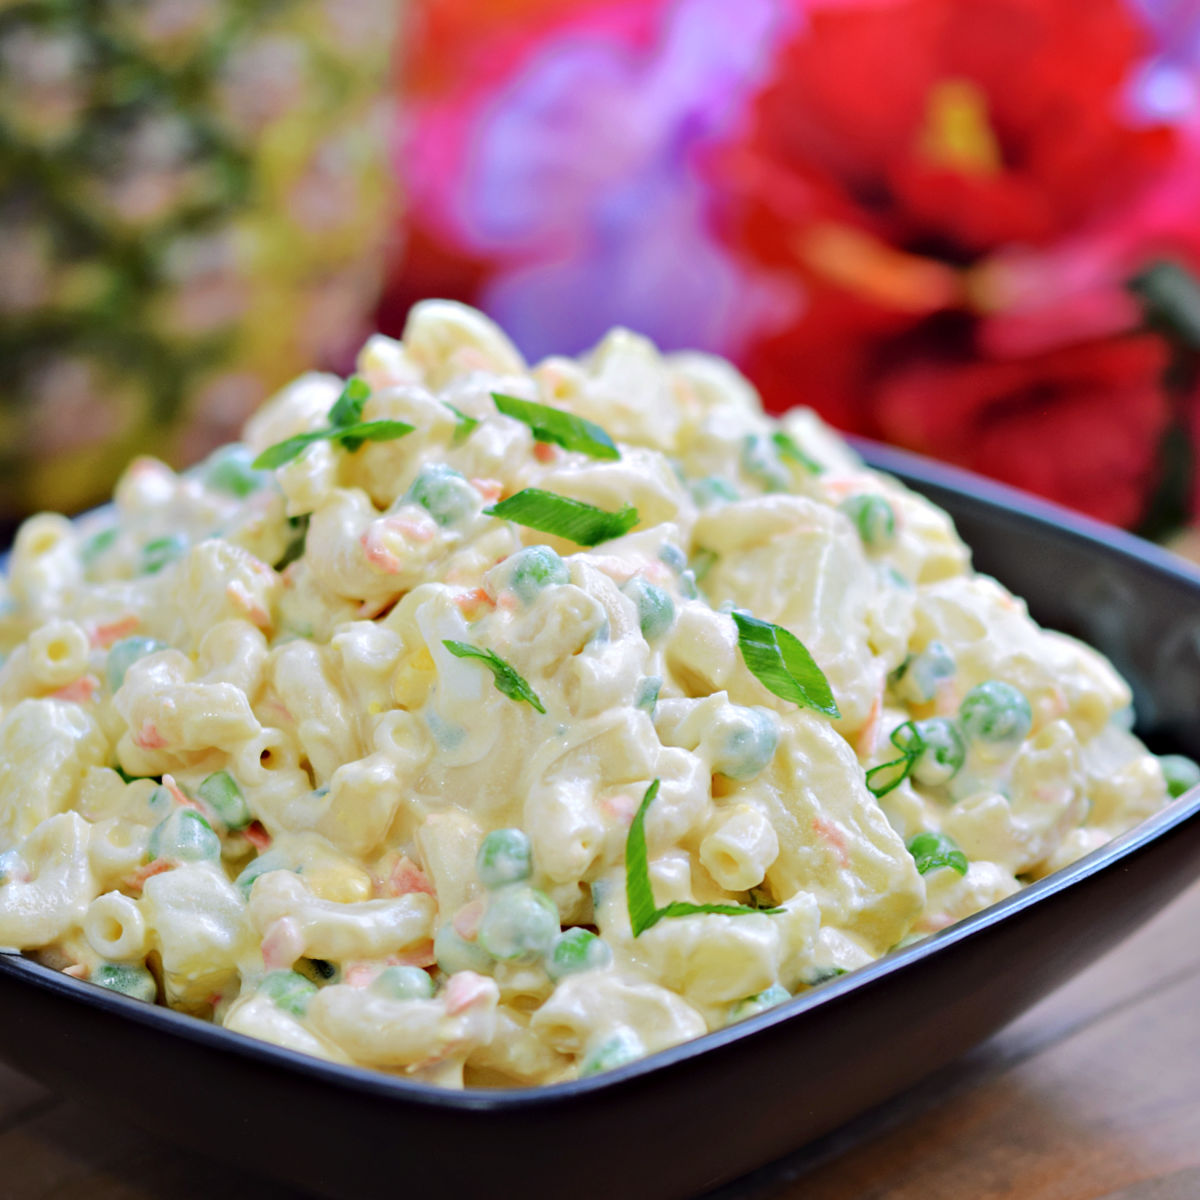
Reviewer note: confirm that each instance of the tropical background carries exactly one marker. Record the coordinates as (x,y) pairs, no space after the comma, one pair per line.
(968,228)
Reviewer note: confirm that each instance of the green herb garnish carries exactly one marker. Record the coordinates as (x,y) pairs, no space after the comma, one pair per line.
(464,426)
(780,662)
(346,428)
(933,850)
(508,682)
(790,450)
(562,428)
(548,512)
(639,895)
(890,775)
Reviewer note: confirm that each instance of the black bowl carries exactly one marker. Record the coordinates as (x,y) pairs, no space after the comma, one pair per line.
(693,1117)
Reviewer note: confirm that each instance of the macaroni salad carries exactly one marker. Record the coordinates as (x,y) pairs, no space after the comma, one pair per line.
(492,724)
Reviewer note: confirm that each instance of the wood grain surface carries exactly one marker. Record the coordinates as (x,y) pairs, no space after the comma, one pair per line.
(1093,1094)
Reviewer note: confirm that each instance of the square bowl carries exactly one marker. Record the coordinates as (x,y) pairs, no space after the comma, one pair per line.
(700,1114)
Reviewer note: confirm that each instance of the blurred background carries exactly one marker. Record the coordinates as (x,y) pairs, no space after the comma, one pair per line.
(968,227)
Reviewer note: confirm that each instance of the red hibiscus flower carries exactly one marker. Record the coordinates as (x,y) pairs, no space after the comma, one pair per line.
(916,168)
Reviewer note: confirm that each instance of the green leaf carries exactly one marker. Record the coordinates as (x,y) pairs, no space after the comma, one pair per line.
(933,850)
(791,450)
(780,662)
(562,428)
(508,682)
(639,896)
(890,775)
(548,512)
(346,428)
(464,426)
(353,436)
(283,452)
(348,407)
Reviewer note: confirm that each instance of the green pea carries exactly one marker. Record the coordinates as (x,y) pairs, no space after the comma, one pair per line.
(404,983)
(454,953)
(98,545)
(185,836)
(672,556)
(521,924)
(1180,773)
(760,460)
(221,792)
(159,552)
(620,1047)
(996,714)
(443,493)
(289,991)
(577,950)
(943,753)
(270,861)
(747,741)
(873,517)
(752,1005)
(918,679)
(656,609)
(228,470)
(123,654)
(647,693)
(535,568)
(129,980)
(504,857)
(710,491)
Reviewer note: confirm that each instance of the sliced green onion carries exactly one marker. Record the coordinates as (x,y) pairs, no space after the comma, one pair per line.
(1181,774)
(548,512)
(791,451)
(639,895)
(562,428)
(873,517)
(782,664)
(931,851)
(508,682)
(464,426)
(160,552)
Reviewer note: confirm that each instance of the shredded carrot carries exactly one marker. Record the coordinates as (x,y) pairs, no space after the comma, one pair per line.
(282,944)
(467,920)
(834,836)
(406,877)
(148,737)
(489,489)
(257,836)
(544,452)
(113,631)
(464,988)
(78,691)
(139,877)
(420,955)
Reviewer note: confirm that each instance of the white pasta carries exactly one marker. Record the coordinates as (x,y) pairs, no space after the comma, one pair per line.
(337,756)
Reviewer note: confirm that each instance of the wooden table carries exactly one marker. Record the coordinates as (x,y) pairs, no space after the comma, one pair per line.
(1095,1093)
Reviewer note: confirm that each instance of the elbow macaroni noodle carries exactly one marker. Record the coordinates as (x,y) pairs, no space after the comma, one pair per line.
(241,765)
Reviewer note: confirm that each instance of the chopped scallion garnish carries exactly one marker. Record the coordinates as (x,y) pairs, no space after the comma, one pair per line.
(562,428)
(643,914)
(782,664)
(548,512)
(508,681)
